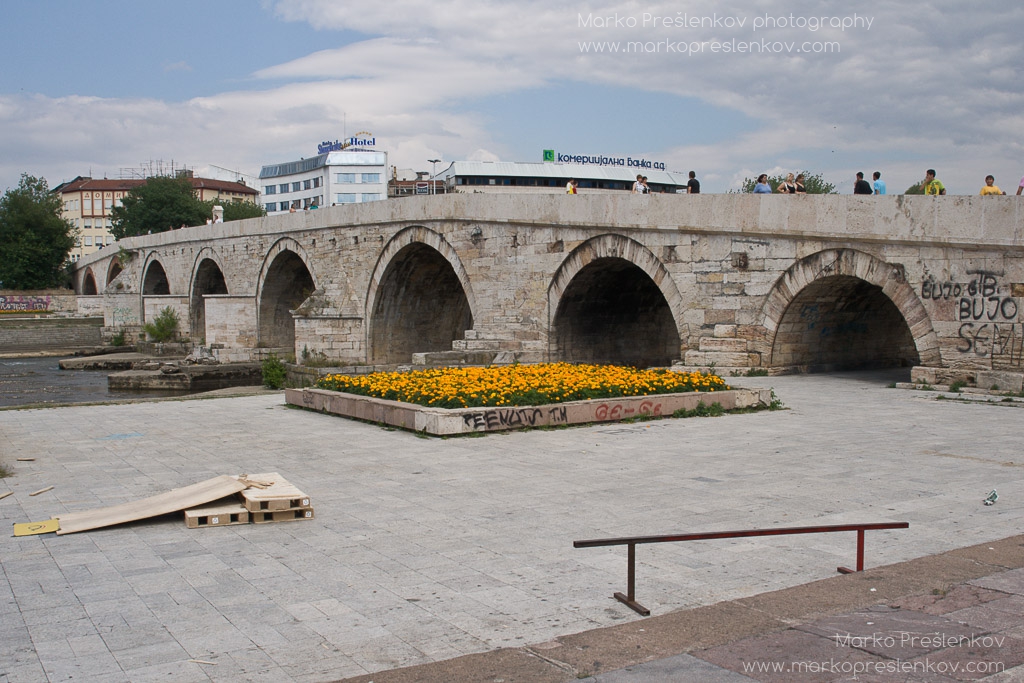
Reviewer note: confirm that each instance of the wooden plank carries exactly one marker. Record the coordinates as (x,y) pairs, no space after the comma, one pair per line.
(271,492)
(219,513)
(282,516)
(161,504)
(36,493)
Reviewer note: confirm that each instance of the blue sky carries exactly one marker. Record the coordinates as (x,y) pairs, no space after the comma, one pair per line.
(96,87)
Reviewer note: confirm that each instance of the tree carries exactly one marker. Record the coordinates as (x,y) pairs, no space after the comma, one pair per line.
(34,239)
(236,211)
(160,204)
(917,188)
(813,183)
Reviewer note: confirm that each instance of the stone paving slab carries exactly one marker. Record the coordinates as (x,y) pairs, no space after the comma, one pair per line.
(428,549)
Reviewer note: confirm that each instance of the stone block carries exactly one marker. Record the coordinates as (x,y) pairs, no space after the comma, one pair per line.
(725,331)
(1005,381)
(723,345)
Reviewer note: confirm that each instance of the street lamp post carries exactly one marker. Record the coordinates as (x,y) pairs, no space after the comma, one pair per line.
(433,173)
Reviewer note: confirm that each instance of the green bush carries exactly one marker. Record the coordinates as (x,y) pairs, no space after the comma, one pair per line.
(164,327)
(118,339)
(274,372)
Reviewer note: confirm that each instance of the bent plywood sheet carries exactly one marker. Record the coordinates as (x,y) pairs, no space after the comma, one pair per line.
(161,504)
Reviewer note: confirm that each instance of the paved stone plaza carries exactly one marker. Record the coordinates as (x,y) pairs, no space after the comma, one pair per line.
(425,549)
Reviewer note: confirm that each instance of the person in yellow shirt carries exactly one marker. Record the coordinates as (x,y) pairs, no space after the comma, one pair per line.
(933,185)
(990,187)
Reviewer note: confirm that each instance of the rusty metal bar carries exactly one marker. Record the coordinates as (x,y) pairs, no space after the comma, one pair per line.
(632,541)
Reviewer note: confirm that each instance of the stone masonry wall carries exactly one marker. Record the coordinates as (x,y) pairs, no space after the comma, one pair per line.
(730,268)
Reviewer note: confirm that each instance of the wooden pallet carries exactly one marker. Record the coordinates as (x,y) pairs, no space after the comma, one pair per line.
(270,492)
(282,515)
(216,514)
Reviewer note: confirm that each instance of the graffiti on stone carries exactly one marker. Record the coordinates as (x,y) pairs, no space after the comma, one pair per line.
(1000,342)
(18,303)
(978,299)
(122,315)
(619,411)
(510,418)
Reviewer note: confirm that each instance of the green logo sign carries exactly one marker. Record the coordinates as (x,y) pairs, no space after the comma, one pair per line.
(549,155)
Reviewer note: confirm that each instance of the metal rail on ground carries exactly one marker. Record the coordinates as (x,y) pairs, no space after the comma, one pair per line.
(629,598)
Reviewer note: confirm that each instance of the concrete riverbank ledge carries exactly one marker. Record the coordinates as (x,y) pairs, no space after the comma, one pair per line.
(451,421)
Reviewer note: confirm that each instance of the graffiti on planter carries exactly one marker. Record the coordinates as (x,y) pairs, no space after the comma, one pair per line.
(496,418)
(20,303)
(619,411)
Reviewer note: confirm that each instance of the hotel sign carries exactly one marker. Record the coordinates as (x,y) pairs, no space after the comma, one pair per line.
(361,140)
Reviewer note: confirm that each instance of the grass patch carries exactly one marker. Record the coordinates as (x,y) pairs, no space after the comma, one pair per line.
(4,472)
(702,410)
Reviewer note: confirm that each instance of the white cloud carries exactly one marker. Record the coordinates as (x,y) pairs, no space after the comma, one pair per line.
(930,84)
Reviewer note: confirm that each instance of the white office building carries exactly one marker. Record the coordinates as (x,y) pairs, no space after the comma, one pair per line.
(348,176)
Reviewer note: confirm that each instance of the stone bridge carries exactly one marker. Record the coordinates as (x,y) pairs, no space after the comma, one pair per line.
(738,281)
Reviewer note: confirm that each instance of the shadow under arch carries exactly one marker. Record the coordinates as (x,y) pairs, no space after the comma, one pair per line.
(285,282)
(154,279)
(419,298)
(113,270)
(207,278)
(613,301)
(89,283)
(842,309)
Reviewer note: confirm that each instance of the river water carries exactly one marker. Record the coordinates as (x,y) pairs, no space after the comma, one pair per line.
(28,381)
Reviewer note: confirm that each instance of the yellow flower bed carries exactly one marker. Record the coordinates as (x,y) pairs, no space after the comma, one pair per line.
(519,385)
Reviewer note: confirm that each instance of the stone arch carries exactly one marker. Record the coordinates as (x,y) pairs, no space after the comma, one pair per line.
(285,282)
(845,309)
(154,279)
(89,283)
(207,278)
(419,299)
(613,301)
(114,269)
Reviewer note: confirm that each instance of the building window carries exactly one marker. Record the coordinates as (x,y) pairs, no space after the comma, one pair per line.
(316,181)
(108,204)
(282,188)
(87,204)
(272,206)
(307,185)
(344,177)
(88,240)
(371,177)
(371,197)
(296,187)
(270,189)
(110,239)
(345,198)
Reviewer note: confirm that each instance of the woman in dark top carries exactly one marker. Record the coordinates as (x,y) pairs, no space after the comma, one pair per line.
(788,186)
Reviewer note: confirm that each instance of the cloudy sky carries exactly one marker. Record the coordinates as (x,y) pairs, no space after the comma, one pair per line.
(728,89)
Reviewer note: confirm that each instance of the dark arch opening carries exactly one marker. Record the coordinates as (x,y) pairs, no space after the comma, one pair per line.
(842,323)
(420,306)
(613,312)
(209,280)
(156,280)
(287,285)
(89,284)
(115,270)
